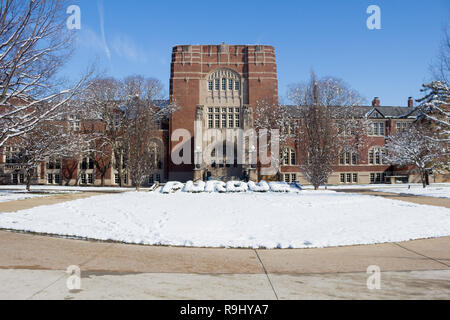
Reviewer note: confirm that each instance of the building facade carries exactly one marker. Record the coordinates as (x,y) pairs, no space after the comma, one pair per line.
(219,87)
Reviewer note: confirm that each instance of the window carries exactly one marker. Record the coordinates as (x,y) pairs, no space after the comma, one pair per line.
(237,85)
(290,178)
(75,122)
(90,178)
(402,126)
(230,121)
(21,178)
(224,120)
(210,88)
(237,119)
(116,179)
(354,158)
(348,158)
(151,180)
(289,157)
(217,120)
(83,179)
(378,177)
(224,84)
(378,129)
(210,121)
(14,178)
(377,155)
(50,178)
(217,84)
(230,84)
(57,179)
(158,177)
(349,178)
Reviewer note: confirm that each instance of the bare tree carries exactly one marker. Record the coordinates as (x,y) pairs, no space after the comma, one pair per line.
(416,146)
(47,141)
(142,118)
(130,118)
(34,45)
(270,117)
(329,125)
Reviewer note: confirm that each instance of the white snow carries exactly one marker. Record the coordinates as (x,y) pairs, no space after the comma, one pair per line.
(431,191)
(269,220)
(6,196)
(47,188)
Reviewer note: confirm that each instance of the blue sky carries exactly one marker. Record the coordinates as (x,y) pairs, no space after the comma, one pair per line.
(331,37)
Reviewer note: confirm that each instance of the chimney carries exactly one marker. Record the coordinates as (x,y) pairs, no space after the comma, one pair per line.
(376,102)
(410,102)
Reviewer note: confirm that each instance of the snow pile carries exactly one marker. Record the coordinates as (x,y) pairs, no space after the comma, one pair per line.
(215,186)
(280,187)
(194,187)
(237,186)
(172,187)
(260,187)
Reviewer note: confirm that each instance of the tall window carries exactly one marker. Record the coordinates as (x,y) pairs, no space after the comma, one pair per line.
(224,84)
(210,87)
(75,122)
(237,85)
(378,129)
(377,155)
(348,158)
(289,157)
(224,117)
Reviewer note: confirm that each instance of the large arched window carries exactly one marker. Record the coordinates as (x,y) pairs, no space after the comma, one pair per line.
(224,80)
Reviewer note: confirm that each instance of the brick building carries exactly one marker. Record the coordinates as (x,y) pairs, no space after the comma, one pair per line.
(218,86)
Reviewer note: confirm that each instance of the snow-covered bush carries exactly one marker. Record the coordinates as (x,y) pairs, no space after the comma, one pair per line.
(172,187)
(279,187)
(197,187)
(258,187)
(237,186)
(213,186)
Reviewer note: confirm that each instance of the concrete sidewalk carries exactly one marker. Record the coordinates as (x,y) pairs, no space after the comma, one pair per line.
(33,267)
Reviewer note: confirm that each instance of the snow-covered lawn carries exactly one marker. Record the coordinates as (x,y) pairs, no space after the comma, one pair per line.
(270,220)
(431,191)
(6,196)
(49,188)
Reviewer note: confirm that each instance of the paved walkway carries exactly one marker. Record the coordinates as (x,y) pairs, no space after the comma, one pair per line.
(431,201)
(33,267)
